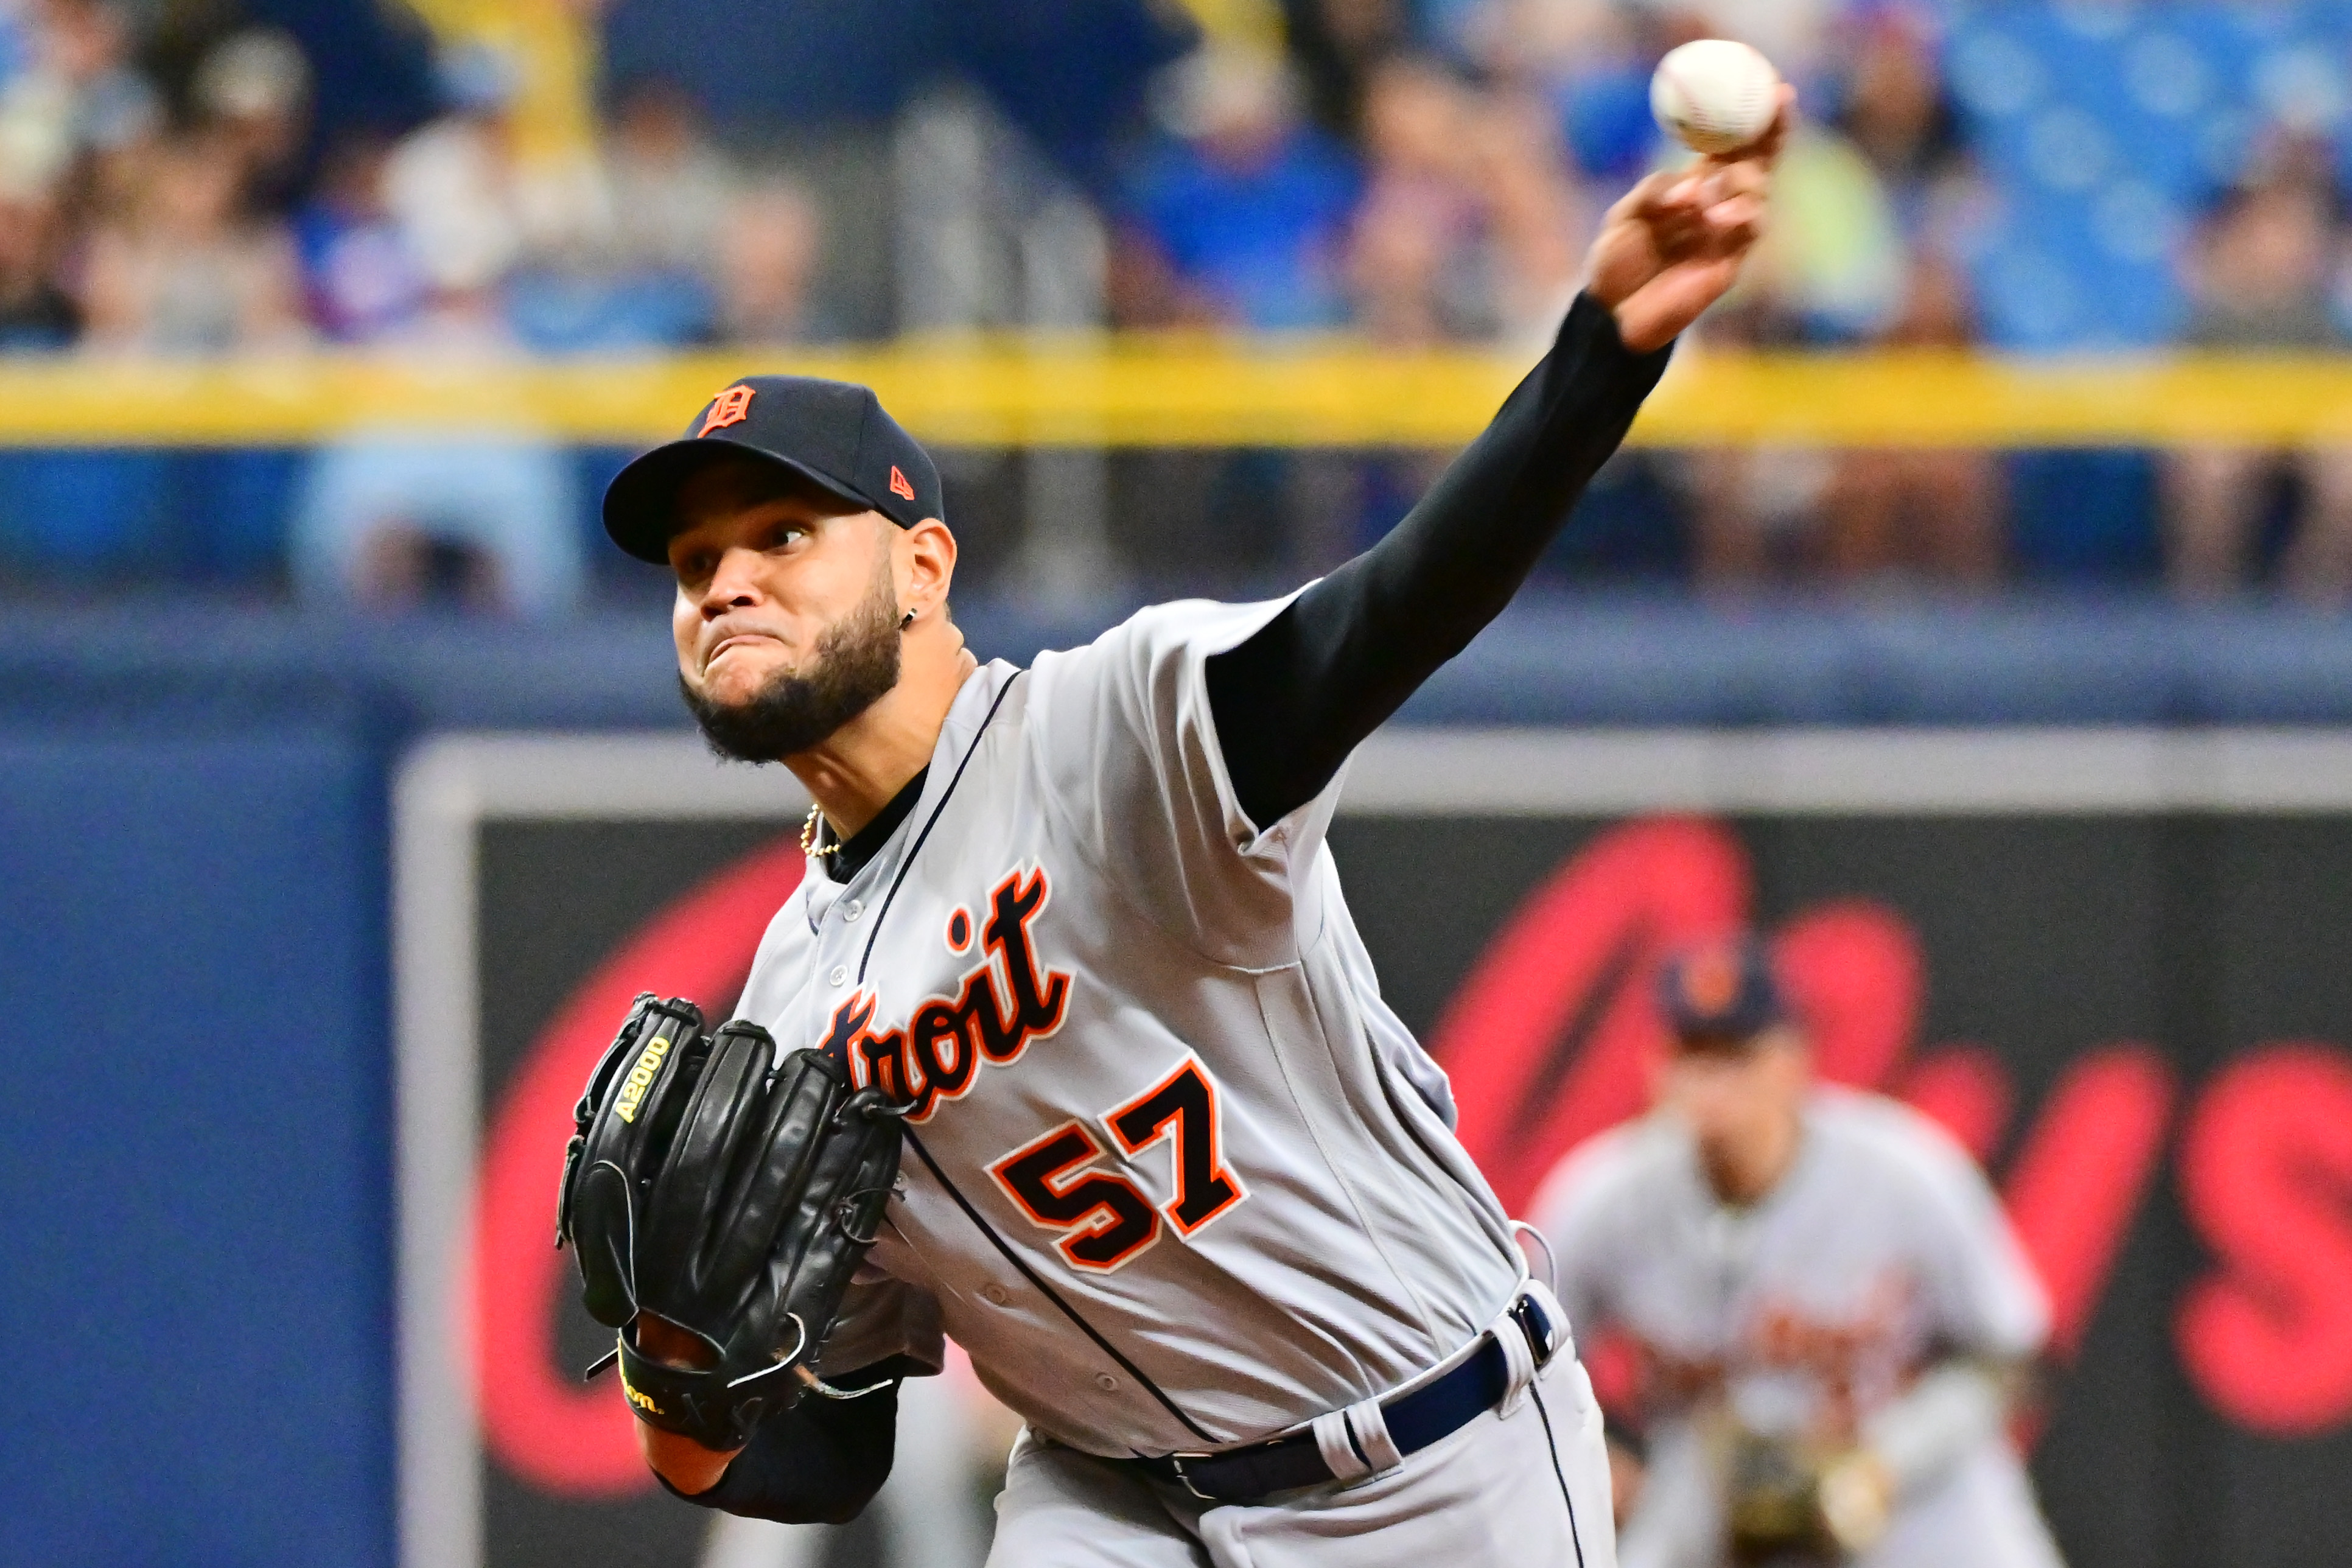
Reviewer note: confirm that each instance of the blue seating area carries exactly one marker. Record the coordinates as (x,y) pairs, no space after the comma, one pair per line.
(217,520)
(206,516)
(2102,134)
(2105,129)
(210,517)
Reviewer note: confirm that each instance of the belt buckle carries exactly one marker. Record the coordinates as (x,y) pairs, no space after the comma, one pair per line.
(1526,1313)
(1176,1462)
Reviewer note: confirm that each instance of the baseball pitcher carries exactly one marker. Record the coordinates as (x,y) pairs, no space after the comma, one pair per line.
(1831,1312)
(1066,1046)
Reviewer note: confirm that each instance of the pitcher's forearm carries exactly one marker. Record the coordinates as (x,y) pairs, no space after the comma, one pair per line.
(1294,699)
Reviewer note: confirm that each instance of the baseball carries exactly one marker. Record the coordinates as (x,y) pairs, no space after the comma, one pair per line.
(1716,96)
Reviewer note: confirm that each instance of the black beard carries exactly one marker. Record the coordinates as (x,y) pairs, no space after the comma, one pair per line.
(855,666)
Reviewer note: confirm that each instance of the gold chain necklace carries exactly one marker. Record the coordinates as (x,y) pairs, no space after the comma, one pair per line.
(809,831)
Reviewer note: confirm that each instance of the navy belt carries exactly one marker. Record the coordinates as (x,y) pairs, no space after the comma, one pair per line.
(1430,1414)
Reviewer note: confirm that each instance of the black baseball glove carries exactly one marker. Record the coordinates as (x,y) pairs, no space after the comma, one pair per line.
(731,1193)
(1775,1513)
(1793,1503)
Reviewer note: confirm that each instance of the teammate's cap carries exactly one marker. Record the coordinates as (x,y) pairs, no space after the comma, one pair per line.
(1721,989)
(833,433)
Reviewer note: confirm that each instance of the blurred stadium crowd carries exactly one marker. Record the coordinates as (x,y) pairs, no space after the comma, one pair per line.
(2083,176)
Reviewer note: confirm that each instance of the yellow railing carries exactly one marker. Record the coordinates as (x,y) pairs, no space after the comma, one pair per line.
(1152,393)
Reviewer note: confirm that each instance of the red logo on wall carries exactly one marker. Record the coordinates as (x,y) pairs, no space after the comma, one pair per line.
(1549,1040)
(2266,1177)
(1552,1035)
(537,1416)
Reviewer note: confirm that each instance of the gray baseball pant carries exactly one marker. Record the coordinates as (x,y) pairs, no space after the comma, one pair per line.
(1526,1489)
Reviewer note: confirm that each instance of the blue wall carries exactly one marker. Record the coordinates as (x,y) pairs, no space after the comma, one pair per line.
(194,1178)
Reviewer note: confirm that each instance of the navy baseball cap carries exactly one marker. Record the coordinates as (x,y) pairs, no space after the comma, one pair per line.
(831,434)
(1721,990)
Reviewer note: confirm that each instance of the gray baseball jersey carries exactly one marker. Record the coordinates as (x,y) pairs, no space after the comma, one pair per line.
(1176,1177)
(1809,1314)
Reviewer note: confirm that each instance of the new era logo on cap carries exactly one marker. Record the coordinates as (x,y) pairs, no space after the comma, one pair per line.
(898,485)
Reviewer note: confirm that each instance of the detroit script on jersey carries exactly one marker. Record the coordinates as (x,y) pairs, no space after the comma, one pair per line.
(999,1004)
(1177,1177)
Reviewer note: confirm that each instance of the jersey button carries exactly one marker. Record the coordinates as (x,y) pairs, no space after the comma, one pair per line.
(852,910)
(1106,1382)
(996,1293)
(838,975)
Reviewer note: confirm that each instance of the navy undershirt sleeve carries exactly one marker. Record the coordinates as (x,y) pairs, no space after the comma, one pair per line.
(1292,701)
(820,1462)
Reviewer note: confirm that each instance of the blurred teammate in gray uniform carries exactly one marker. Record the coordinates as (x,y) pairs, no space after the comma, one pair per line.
(1177,1181)
(1831,1310)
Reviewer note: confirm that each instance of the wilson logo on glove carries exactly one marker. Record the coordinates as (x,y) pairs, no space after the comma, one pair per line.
(639,1400)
